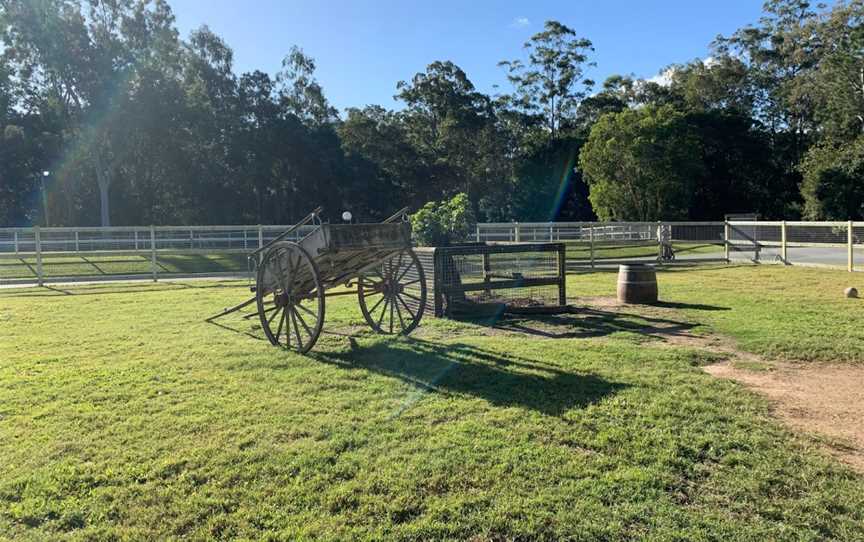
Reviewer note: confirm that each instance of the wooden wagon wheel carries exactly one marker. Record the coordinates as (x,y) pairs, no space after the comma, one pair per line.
(393,295)
(290,297)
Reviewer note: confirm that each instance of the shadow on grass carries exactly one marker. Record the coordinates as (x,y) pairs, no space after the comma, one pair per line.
(585,323)
(502,379)
(689,306)
(259,335)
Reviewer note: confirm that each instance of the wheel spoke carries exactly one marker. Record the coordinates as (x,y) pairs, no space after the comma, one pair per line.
(383,312)
(308,311)
(372,311)
(302,321)
(391,316)
(405,272)
(272,316)
(371,289)
(367,295)
(398,310)
(398,265)
(287,328)
(296,330)
(415,298)
(413,316)
(407,268)
(279,331)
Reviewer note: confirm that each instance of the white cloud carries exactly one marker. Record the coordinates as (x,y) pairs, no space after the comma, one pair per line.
(664,78)
(520,22)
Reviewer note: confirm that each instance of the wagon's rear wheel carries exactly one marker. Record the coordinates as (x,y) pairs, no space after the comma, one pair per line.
(393,295)
(290,297)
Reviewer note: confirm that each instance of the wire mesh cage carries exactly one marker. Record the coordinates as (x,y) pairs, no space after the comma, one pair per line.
(478,278)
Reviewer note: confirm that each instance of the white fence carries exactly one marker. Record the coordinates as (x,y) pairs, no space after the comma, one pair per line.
(63,254)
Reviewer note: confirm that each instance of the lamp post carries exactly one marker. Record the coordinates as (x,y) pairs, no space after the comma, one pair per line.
(45,175)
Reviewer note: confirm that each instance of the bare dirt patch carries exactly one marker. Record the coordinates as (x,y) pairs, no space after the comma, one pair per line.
(824,399)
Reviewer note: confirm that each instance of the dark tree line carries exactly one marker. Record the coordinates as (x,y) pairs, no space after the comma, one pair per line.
(137,125)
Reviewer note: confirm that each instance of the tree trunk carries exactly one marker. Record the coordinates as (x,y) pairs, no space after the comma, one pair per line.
(103,202)
(104,181)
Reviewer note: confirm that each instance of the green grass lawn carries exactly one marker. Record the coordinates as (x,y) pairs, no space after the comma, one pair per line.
(797,314)
(121,264)
(124,416)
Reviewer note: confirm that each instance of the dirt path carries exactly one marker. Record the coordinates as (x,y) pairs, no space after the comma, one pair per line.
(825,399)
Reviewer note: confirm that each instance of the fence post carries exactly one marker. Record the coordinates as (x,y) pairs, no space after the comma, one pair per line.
(591,243)
(518,233)
(260,236)
(726,240)
(562,275)
(783,252)
(38,238)
(153,251)
(15,237)
(77,249)
(850,242)
(478,232)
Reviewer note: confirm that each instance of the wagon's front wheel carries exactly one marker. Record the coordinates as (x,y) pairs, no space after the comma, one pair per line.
(393,295)
(290,297)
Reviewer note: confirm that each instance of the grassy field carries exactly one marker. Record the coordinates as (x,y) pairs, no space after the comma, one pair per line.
(124,415)
(796,314)
(121,264)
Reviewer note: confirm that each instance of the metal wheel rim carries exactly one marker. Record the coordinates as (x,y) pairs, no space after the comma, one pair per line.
(391,309)
(297,325)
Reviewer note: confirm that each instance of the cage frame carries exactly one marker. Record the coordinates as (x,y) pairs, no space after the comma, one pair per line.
(441,293)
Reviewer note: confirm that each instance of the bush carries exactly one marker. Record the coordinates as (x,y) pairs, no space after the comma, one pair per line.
(440,223)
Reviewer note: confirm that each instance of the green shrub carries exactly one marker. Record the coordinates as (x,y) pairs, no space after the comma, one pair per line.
(440,223)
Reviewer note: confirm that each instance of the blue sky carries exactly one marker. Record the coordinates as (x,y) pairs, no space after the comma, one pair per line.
(364,47)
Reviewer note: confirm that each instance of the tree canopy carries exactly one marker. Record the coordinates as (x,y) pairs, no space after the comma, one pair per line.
(137,124)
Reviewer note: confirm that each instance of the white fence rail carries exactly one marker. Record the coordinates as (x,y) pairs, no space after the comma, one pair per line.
(37,255)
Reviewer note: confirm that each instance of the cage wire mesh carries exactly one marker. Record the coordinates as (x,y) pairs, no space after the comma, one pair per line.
(473,278)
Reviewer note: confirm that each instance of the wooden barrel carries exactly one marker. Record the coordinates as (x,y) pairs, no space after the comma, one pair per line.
(637,284)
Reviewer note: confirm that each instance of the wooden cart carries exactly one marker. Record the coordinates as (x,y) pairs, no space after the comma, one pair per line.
(375,262)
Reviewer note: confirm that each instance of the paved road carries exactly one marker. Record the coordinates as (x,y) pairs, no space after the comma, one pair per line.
(835,256)
(828,256)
